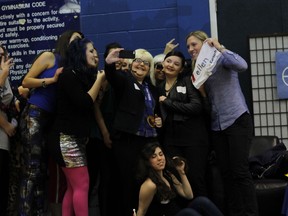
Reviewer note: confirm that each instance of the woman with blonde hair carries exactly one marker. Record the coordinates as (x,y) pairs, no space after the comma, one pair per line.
(135,122)
(231,124)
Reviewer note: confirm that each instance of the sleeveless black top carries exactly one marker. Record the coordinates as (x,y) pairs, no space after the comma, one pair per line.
(164,207)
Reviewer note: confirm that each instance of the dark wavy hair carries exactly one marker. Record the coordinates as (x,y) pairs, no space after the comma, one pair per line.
(76,61)
(183,60)
(63,42)
(61,48)
(110,46)
(178,54)
(145,171)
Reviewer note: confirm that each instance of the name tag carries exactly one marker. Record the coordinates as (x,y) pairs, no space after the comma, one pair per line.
(181,89)
(136,86)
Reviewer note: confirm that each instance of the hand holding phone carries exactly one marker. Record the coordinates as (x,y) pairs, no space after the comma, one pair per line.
(128,54)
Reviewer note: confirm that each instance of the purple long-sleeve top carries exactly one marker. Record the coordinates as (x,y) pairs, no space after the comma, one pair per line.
(224,91)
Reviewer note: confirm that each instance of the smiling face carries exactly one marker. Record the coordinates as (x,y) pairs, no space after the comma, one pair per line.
(125,65)
(158,160)
(140,68)
(91,56)
(172,66)
(194,46)
(158,71)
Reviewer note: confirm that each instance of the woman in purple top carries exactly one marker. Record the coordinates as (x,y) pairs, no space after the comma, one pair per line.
(231,124)
(36,119)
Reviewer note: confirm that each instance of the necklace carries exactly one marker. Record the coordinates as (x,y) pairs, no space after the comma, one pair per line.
(168,90)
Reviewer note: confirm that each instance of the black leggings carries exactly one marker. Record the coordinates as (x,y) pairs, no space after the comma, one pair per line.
(4,180)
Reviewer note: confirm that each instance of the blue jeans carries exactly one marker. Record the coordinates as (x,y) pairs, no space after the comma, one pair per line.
(200,206)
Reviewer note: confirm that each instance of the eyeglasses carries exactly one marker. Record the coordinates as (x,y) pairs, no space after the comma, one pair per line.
(159,66)
(138,60)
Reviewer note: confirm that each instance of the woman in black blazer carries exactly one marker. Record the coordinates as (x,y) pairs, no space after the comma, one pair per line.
(135,122)
(182,111)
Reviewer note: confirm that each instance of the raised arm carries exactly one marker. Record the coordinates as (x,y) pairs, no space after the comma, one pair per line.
(170,46)
(183,187)
(229,59)
(5,67)
(93,92)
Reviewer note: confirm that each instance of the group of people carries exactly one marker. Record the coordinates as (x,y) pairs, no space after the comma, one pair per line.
(140,124)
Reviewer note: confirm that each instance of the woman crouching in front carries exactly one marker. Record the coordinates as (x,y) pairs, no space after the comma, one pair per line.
(161,188)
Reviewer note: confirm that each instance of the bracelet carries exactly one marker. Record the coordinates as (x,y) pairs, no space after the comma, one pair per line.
(44,85)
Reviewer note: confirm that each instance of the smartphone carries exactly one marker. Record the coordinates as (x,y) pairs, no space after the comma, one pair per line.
(128,54)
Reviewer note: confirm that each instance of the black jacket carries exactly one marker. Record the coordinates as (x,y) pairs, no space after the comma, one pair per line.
(130,100)
(183,114)
(184,101)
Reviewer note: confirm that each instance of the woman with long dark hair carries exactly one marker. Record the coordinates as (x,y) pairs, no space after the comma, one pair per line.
(162,186)
(77,90)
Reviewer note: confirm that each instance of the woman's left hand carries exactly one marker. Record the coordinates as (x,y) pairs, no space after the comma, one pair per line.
(162,98)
